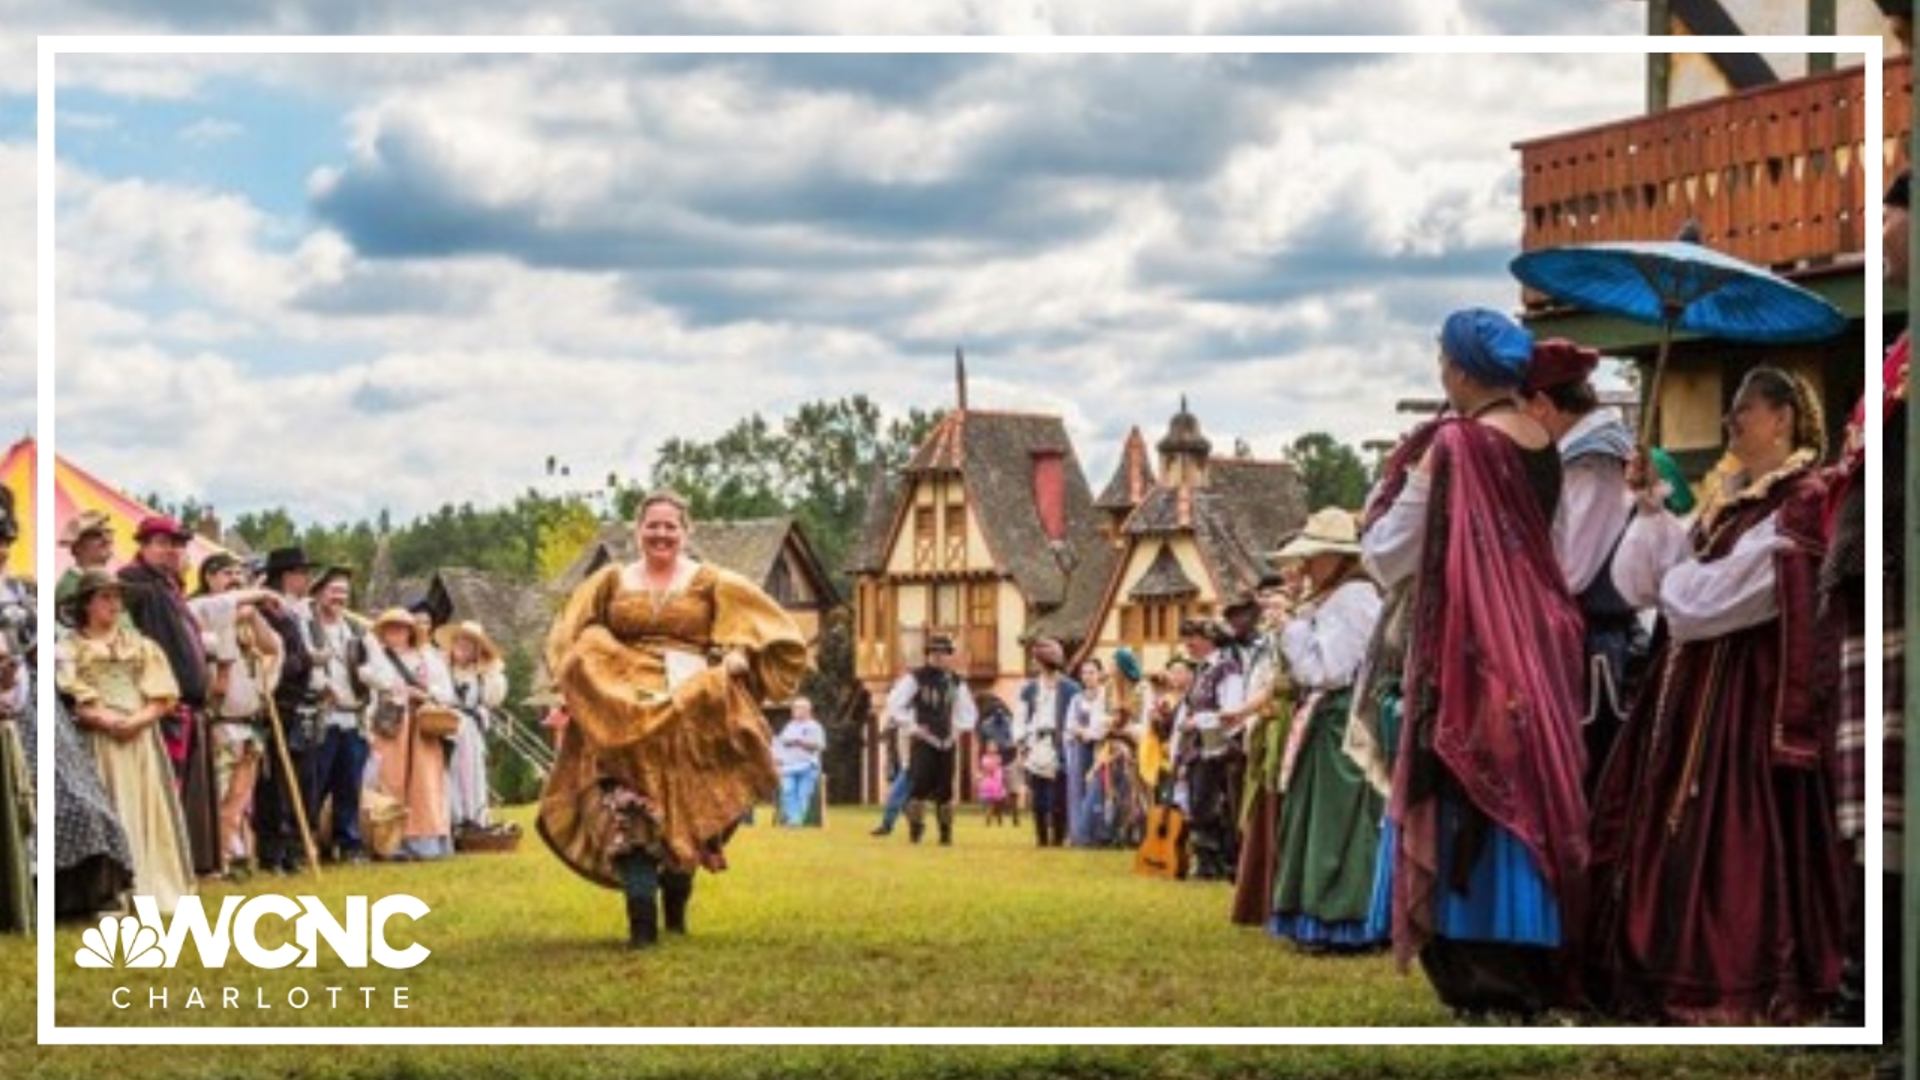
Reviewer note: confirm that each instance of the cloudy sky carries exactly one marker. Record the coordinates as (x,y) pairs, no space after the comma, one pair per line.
(346,283)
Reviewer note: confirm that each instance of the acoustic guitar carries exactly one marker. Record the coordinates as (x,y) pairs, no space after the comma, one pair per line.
(1163,853)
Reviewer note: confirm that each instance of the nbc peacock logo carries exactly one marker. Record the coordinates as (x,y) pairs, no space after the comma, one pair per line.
(124,942)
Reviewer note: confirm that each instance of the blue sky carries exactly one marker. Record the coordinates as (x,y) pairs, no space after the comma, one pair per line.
(259,142)
(16,118)
(342,284)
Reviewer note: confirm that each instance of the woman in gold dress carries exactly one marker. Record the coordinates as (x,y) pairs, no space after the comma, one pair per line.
(121,686)
(663,663)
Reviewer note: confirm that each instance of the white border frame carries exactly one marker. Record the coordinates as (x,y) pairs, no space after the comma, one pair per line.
(51,1034)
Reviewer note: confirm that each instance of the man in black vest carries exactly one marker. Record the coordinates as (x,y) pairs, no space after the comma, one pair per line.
(157,604)
(934,704)
(1208,750)
(296,701)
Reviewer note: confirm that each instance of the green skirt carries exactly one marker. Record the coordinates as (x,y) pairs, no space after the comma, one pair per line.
(1329,835)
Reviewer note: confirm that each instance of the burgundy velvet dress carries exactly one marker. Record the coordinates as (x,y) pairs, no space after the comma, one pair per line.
(1718,875)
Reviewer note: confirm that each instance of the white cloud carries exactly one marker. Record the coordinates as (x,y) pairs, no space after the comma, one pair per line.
(1280,253)
(128,236)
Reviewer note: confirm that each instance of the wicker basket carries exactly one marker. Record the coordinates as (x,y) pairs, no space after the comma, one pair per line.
(499,838)
(383,823)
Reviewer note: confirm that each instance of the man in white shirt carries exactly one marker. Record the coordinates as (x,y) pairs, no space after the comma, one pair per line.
(796,751)
(1595,506)
(245,657)
(933,703)
(1054,762)
(340,649)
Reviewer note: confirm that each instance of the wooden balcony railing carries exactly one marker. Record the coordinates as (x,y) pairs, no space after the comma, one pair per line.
(1772,175)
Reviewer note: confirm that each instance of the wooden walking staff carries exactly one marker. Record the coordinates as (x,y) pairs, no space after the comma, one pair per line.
(288,779)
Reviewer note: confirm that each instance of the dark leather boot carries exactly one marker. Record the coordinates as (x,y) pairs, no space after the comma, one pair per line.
(675,891)
(643,922)
(945,817)
(1040,830)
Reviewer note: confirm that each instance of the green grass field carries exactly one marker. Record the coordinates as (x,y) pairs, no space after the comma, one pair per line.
(819,927)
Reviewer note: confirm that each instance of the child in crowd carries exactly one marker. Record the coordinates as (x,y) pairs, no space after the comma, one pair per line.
(993,784)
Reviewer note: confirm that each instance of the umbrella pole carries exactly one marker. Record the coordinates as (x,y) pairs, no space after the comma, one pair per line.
(1650,408)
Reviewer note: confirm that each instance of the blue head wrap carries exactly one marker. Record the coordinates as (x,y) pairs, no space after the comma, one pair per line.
(1488,346)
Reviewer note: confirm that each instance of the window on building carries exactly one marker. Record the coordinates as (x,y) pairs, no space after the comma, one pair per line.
(956,536)
(923,537)
(946,604)
(980,603)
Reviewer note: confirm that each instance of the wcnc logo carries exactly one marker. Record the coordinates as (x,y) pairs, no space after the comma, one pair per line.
(148,940)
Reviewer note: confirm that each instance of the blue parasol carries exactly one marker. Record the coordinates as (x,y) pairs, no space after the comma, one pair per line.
(1677,285)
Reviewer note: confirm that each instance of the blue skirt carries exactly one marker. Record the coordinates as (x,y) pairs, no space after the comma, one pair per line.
(1507,899)
(1344,934)
(1380,911)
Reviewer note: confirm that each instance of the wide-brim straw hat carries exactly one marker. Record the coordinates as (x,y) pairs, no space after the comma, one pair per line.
(398,616)
(472,631)
(82,523)
(1330,531)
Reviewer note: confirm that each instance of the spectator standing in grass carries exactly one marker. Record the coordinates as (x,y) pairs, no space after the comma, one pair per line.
(797,750)
(479,689)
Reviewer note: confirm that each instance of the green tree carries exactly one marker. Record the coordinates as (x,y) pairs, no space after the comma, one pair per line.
(841,709)
(816,465)
(563,536)
(519,541)
(264,530)
(1332,471)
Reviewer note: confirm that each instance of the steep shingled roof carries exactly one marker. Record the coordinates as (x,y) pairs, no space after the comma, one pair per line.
(512,613)
(1164,579)
(1266,500)
(1246,509)
(1132,478)
(994,453)
(884,488)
